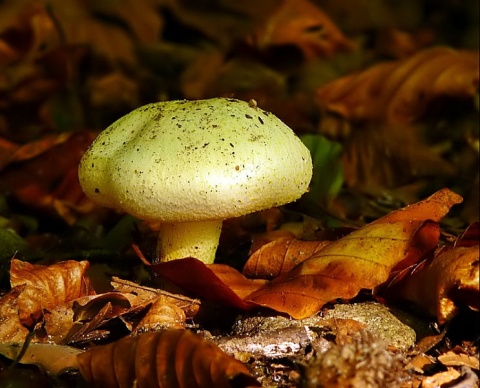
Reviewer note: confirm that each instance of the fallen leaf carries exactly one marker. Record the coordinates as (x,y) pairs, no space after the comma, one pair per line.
(78,320)
(446,378)
(172,358)
(15,153)
(303,24)
(46,286)
(140,295)
(280,256)
(45,176)
(11,329)
(161,316)
(399,92)
(451,279)
(452,358)
(215,282)
(362,259)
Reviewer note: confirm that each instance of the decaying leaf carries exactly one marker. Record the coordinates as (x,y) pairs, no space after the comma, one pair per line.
(172,358)
(302,24)
(37,178)
(161,316)
(11,152)
(455,358)
(141,295)
(219,283)
(280,256)
(47,286)
(11,329)
(362,259)
(80,320)
(451,279)
(400,92)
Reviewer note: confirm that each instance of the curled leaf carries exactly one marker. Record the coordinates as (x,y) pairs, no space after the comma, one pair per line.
(218,283)
(400,92)
(172,358)
(451,279)
(301,23)
(361,260)
(47,286)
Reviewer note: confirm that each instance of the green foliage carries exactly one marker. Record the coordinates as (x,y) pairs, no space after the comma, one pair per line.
(327,168)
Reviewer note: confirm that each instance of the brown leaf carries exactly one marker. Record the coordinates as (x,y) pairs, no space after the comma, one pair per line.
(172,358)
(453,358)
(140,295)
(449,280)
(215,282)
(301,23)
(76,320)
(46,286)
(400,92)
(45,175)
(15,153)
(362,259)
(280,256)
(160,316)
(11,329)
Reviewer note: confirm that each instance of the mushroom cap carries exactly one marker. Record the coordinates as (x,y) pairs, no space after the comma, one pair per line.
(196,160)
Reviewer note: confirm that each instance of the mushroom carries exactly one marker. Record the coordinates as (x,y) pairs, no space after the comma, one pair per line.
(192,164)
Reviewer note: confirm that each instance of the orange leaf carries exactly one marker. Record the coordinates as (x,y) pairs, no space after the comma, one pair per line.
(216,282)
(301,23)
(449,280)
(280,256)
(399,92)
(362,259)
(172,358)
(11,330)
(47,286)
(45,174)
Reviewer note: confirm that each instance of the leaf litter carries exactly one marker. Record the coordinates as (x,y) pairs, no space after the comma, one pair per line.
(67,78)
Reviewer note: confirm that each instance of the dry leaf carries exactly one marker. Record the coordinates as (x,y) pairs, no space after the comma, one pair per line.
(52,358)
(73,321)
(362,259)
(441,379)
(452,358)
(49,181)
(399,92)
(219,283)
(140,295)
(280,256)
(11,329)
(161,316)
(47,286)
(302,24)
(172,358)
(451,279)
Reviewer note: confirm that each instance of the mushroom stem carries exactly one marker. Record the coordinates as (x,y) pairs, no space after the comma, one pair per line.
(198,239)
